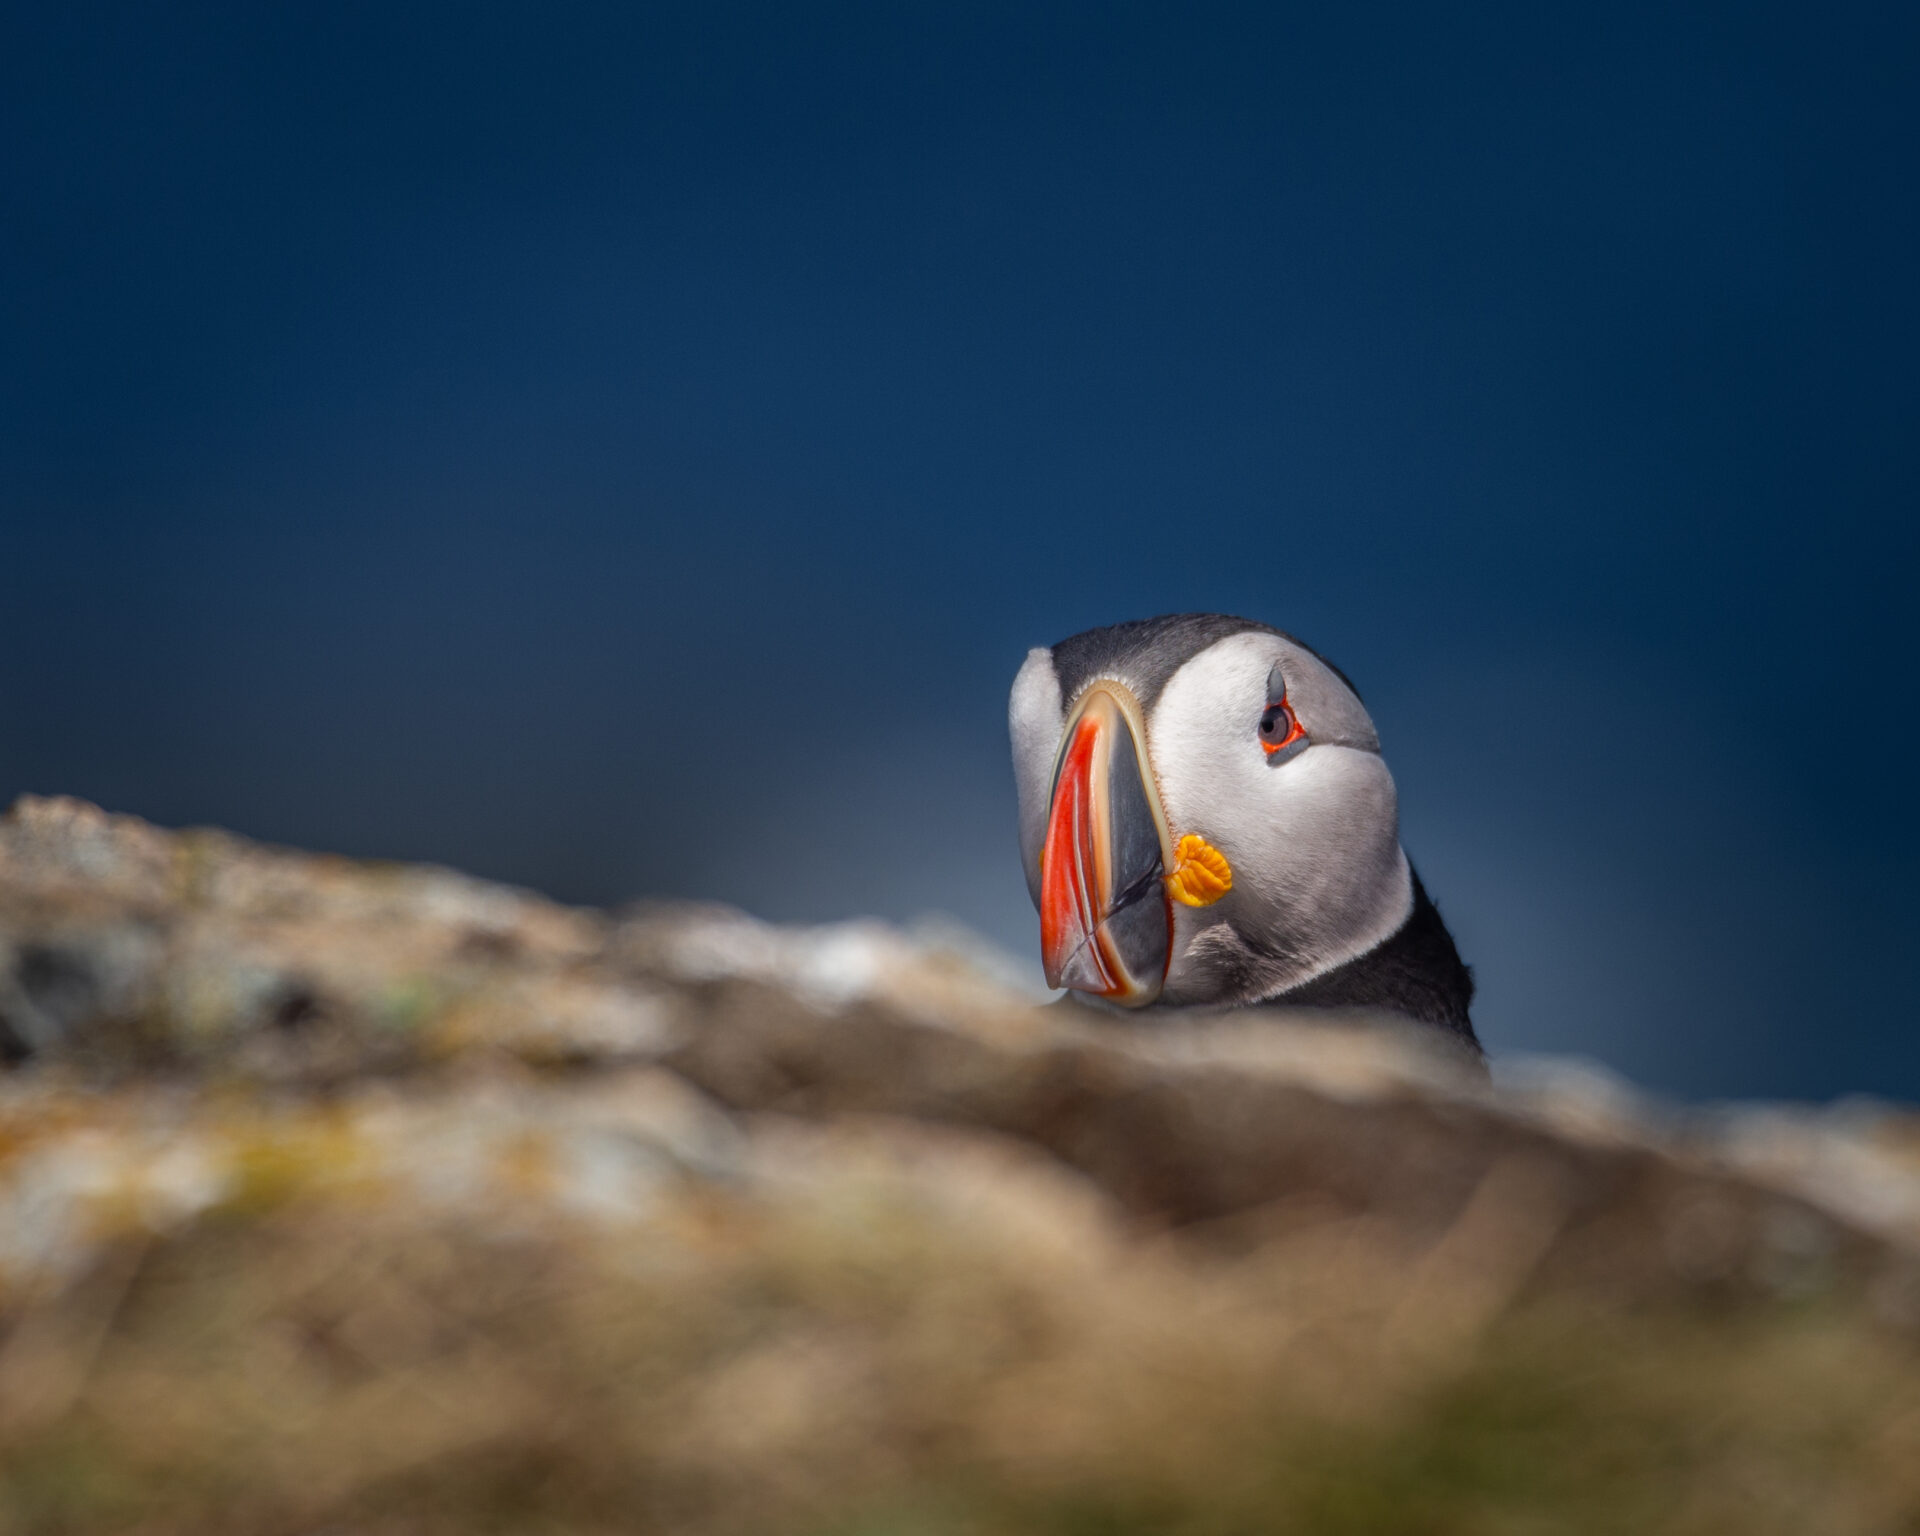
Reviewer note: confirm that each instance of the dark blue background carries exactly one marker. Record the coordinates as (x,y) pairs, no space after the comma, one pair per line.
(629,450)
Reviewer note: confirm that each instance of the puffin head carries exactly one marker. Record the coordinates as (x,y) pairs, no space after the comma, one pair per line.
(1205,818)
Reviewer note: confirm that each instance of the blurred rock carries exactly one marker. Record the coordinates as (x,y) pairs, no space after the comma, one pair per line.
(129,954)
(205,1032)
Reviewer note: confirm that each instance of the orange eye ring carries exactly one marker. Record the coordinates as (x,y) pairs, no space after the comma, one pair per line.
(1279,729)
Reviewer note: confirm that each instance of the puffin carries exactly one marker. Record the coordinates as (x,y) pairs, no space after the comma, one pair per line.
(1206,822)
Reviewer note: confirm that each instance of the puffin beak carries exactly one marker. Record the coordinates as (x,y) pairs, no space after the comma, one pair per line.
(1106,922)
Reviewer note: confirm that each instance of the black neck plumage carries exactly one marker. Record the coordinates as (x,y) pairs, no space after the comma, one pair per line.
(1417,972)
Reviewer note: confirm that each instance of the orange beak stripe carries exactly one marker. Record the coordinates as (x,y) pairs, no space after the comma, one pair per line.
(1106,923)
(1070,869)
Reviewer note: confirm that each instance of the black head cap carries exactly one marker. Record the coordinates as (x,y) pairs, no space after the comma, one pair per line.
(1145,653)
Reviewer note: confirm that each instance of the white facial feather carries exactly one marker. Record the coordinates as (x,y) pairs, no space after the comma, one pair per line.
(1318,874)
(1034,722)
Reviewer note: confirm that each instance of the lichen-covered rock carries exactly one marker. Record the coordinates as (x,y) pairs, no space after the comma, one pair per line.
(370,1197)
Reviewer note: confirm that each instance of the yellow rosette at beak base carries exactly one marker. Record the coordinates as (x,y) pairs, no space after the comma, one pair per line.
(1201,874)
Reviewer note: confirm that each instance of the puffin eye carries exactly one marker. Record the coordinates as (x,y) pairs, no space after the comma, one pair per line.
(1279,731)
(1280,734)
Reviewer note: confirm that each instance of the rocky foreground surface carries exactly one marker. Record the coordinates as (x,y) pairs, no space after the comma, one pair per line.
(355,1197)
